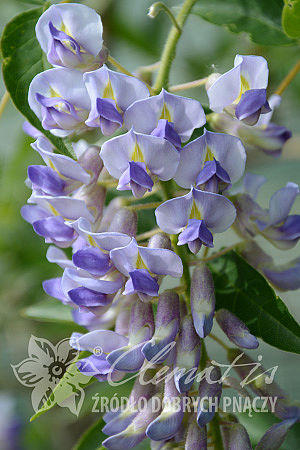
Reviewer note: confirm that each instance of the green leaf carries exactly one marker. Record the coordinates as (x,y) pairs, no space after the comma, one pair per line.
(261,19)
(291,18)
(49,311)
(23,59)
(245,292)
(92,438)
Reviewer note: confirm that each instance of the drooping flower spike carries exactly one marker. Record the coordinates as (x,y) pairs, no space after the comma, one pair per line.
(195,216)
(166,115)
(214,160)
(264,135)
(242,90)
(136,159)
(59,99)
(143,266)
(71,35)
(111,93)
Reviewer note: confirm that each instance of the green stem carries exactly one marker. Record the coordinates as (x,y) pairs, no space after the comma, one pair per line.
(216,433)
(157,7)
(169,50)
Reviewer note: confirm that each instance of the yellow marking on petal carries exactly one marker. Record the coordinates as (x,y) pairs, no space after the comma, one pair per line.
(137,155)
(54,93)
(140,263)
(108,91)
(209,155)
(165,114)
(92,241)
(53,210)
(195,213)
(244,87)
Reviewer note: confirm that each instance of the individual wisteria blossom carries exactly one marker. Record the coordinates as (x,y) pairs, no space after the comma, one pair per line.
(138,159)
(166,115)
(274,223)
(60,100)
(242,90)
(213,160)
(143,266)
(50,206)
(264,135)
(285,277)
(111,93)
(71,36)
(196,216)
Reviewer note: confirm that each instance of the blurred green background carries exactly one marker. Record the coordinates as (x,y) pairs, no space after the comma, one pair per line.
(134,40)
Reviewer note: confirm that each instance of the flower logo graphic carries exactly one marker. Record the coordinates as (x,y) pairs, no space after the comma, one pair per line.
(52,373)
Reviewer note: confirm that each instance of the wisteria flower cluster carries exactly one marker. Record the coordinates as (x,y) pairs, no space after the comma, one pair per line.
(153,143)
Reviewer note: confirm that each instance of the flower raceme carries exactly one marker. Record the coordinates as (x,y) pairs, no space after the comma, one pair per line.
(113,280)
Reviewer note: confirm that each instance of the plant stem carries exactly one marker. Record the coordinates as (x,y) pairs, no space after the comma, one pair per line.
(157,7)
(214,256)
(216,339)
(147,234)
(188,85)
(288,79)
(169,50)
(118,66)
(142,206)
(216,433)
(3,102)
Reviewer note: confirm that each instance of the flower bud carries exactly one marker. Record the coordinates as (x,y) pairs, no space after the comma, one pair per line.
(274,436)
(188,353)
(124,221)
(166,327)
(160,240)
(196,438)
(210,389)
(235,329)
(235,436)
(202,300)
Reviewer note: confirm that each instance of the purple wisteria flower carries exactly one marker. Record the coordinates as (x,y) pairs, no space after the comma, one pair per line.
(62,174)
(60,100)
(166,115)
(144,266)
(264,135)
(242,90)
(71,35)
(195,216)
(111,93)
(274,223)
(213,160)
(136,159)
